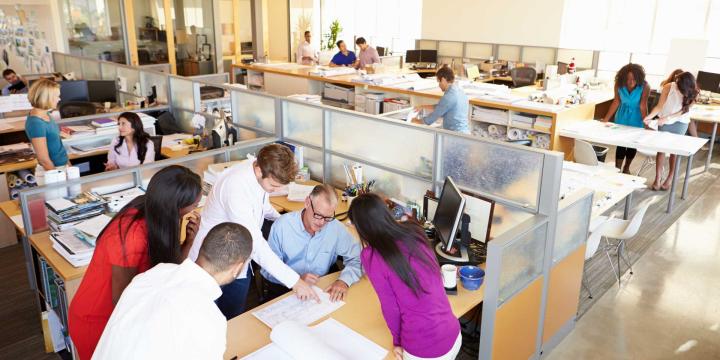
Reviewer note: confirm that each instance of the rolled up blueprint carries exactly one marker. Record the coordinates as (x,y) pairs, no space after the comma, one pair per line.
(497,130)
(27,175)
(517,134)
(14,180)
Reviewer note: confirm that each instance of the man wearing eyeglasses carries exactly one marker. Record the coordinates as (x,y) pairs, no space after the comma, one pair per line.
(310,240)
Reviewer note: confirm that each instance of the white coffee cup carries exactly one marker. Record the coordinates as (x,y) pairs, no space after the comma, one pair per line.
(449,274)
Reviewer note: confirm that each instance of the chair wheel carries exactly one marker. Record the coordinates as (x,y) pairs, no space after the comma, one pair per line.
(631,273)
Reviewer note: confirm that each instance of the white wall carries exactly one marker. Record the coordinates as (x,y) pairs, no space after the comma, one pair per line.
(278,32)
(518,22)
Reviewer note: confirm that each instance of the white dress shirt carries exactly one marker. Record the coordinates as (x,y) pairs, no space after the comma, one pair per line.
(238,197)
(167,312)
(306,49)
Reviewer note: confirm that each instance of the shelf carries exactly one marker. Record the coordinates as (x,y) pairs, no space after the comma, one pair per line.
(529,128)
(490,122)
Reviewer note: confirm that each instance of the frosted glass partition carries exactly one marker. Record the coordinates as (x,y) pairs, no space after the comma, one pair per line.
(91,69)
(197,166)
(522,262)
(509,52)
(391,184)
(494,170)
(242,152)
(544,56)
(132,78)
(313,159)
(212,79)
(303,123)
(478,51)
(450,48)
(583,58)
(58,62)
(108,71)
(73,65)
(383,142)
(254,111)
(572,227)
(159,81)
(183,96)
(391,62)
(427,45)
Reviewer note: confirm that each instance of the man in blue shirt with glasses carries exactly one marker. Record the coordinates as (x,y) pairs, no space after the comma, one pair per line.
(310,240)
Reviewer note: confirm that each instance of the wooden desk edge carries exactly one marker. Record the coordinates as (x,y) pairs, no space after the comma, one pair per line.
(43,245)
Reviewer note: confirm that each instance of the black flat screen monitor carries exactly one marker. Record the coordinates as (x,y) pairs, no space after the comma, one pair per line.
(102,91)
(448,213)
(412,56)
(708,81)
(428,56)
(73,90)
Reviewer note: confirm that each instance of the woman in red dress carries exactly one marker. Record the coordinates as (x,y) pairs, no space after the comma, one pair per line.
(144,233)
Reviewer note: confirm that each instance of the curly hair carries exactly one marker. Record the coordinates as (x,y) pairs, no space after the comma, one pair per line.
(687,86)
(638,73)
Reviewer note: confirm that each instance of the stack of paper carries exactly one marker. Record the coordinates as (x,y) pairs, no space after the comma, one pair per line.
(293,309)
(117,200)
(543,123)
(62,211)
(523,119)
(104,122)
(488,115)
(14,102)
(76,131)
(77,252)
(89,230)
(298,193)
(323,71)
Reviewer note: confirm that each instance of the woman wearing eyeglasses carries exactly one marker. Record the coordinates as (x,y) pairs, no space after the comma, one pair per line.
(310,240)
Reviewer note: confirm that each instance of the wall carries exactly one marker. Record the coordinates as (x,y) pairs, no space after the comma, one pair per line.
(31,24)
(277,29)
(518,22)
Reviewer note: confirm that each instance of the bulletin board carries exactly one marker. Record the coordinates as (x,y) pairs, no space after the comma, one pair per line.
(23,45)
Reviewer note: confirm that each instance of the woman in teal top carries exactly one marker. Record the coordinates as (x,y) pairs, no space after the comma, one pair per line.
(629,107)
(41,129)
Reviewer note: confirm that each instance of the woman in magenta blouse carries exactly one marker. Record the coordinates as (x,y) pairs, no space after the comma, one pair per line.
(402,268)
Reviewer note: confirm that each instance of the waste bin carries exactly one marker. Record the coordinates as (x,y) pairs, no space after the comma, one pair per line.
(600,152)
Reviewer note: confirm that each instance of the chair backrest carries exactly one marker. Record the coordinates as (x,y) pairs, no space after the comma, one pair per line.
(593,242)
(157,146)
(380,50)
(76,108)
(523,76)
(584,153)
(636,221)
(167,125)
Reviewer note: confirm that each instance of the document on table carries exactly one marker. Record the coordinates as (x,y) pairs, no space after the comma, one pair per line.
(292,308)
(329,339)
(298,192)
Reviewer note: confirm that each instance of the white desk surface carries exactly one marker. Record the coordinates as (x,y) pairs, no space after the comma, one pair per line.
(609,186)
(619,135)
(705,113)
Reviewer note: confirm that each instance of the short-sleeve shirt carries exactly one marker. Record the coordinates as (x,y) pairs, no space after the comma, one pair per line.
(36,127)
(123,158)
(342,59)
(93,300)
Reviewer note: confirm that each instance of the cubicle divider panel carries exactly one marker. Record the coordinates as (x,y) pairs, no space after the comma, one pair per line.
(198,166)
(241,153)
(212,79)
(74,65)
(516,324)
(383,142)
(182,94)
(254,111)
(572,225)
(522,262)
(149,79)
(503,172)
(302,122)
(91,69)
(58,62)
(131,83)
(108,71)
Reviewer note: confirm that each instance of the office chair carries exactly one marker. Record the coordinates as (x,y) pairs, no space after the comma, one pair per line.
(166,124)
(76,108)
(523,76)
(380,50)
(157,146)
(583,153)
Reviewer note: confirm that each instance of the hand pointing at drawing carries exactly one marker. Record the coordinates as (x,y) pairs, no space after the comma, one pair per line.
(304,291)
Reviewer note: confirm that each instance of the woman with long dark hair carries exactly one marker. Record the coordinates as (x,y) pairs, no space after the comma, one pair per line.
(144,233)
(133,147)
(629,107)
(402,268)
(673,111)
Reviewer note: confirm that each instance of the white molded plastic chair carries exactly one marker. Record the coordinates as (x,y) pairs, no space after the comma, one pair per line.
(648,161)
(583,153)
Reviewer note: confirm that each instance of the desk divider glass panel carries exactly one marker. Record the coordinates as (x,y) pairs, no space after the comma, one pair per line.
(303,123)
(383,142)
(108,71)
(91,69)
(522,262)
(73,65)
(497,171)
(572,226)
(183,95)
(59,62)
(159,81)
(254,111)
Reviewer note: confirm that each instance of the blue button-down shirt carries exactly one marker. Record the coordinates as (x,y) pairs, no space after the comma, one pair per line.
(314,254)
(453,108)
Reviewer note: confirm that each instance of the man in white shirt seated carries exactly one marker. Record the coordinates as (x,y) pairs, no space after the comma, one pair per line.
(310,240)
(306,52)
(169,311)
(242,195)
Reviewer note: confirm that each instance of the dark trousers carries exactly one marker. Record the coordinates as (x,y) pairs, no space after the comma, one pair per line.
(234,295)
(272,290)
(622,153)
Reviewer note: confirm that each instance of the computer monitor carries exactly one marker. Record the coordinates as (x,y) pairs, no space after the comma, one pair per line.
(412,56)
(447,218)
(428,56)
(708,81)
(102,91)
(73,90)
(562,68)
(380,50)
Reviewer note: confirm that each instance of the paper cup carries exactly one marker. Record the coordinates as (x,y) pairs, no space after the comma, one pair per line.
(449,274)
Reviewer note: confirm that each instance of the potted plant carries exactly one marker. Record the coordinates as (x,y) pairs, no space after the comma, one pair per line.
(327,47)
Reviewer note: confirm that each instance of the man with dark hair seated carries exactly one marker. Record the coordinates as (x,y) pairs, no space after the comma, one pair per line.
(16,84)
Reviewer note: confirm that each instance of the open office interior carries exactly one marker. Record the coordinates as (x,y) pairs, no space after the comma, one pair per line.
(324,179)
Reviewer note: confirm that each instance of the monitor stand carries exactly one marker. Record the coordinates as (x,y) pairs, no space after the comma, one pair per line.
(461,257)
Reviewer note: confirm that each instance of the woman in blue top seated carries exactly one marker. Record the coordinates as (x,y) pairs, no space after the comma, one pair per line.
(453,106)
(344,57)
(629,107)
(40,127)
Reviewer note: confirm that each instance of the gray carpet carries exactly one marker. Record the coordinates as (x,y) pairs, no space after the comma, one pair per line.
(599,275)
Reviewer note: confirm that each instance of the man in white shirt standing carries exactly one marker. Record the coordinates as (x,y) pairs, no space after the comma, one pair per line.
(242,195)
(306,52)
(169,311)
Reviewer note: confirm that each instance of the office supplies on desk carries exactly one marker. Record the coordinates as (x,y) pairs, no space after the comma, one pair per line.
(329,339)
(293,309)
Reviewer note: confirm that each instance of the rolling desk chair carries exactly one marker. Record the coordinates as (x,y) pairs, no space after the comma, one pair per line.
(76,108)
(523,76)
(380,50)
(157,146)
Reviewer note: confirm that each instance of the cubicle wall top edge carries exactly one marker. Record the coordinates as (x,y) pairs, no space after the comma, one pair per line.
(129,67)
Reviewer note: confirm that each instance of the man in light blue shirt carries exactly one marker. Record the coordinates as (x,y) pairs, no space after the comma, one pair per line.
(453,106)
(310,240)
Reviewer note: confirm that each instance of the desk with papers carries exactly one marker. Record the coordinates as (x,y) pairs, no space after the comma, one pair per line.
(707,114)
(632,137)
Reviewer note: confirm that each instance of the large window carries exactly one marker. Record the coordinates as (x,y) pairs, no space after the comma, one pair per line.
(151,33)
(95,29)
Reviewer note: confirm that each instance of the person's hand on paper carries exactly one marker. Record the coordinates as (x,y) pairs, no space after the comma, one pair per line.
(304,292)
(398,352)
(311,279)
(192,226)
(661,121)
(110,166)
(337,290)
